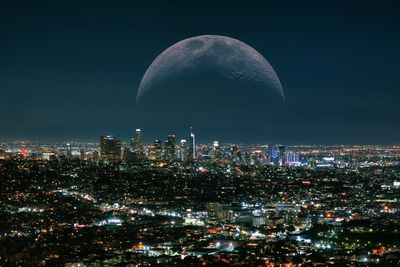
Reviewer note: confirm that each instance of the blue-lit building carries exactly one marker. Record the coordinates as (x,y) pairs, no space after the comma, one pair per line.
(192,146)
(273,154)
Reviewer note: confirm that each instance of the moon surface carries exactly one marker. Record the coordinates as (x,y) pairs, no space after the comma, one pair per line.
(223,56)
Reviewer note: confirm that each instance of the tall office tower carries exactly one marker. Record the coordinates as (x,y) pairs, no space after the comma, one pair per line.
(273,154)
(182,150)
(281,155)
(170,148)
(215,150)
(192,146)
(127,154)
(136,151)
(136,143)
(203,152)
(155,150)
(110,148)
(69,151)
(95,155)
(292,157)
(82,153)
(158,149)
(234,151)
(236,155)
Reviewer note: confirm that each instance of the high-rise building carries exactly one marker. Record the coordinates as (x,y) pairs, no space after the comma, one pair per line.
(169,152)
(136,151)
(273,154)
(281,155)
(110,148)
(292,158)
(236,155)
(69,151)
(136,143)
(192,146)
(155,150)
(215,151)
(95,155)
(234,151)
(127,154)
(82,153)
(182,150)
(203,152)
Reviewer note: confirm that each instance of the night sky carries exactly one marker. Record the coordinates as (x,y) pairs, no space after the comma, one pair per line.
(70,70)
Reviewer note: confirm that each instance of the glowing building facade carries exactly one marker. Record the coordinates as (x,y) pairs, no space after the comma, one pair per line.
(110,148)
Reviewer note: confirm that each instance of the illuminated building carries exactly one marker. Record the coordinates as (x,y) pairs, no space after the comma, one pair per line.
(215,150)
(273,154)
(236,154)
(203,152)
(192,145)
(169,152)
(69,151)
(281,155)
(259,220)
(213,211)
(136,143)
(182,150)
(95,155)
(110,148)
(136,152)
(3,154)
(128,154)
(155,150)
(82,153)
(292,157)
(23,152)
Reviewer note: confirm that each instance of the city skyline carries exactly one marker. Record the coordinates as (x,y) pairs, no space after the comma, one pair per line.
(85,204)
(337,68)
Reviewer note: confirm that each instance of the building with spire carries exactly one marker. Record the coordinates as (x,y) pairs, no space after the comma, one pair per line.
(192,145)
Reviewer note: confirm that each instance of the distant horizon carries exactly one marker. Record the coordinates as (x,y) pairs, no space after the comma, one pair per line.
(127,141)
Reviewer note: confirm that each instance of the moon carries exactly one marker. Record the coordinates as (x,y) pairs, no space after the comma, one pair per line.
(222,56)
(215,84)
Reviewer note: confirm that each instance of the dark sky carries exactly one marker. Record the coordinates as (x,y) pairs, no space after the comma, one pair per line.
(70,70)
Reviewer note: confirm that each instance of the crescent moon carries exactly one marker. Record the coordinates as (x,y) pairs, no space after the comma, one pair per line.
(229,57)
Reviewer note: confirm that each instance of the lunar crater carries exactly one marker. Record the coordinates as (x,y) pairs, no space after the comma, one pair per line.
(221,55)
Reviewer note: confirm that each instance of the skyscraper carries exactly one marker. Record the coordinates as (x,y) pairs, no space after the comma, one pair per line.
(155,150)
(292,158)
(236,155)
(110,148)
(182,151)
(69,151)
(82,153)
(136,143)
(170,148)
(273,154)
(136,151)
(95,155)
(192,145)
(215,150)
(281,155)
